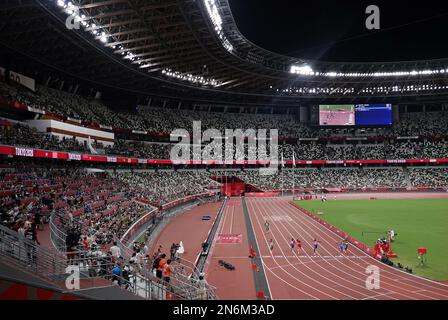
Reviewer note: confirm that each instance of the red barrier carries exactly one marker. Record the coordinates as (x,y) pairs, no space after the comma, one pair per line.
(233,189)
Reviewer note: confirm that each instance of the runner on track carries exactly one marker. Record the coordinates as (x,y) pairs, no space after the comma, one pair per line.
(299,246)
(271,244)
(315,246)
(341,247)
(292,243)
(346,246)
(266,225)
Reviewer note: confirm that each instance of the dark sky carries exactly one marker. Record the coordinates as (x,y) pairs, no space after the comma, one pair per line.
(321,29)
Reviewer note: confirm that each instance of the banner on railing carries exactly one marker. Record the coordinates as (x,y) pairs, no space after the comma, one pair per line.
(30,152)
(23,80)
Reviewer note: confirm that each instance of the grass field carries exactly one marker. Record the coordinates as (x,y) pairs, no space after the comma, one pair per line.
(418,222)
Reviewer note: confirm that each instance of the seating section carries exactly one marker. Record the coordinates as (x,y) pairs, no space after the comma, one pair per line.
(323,178)
(17,134)
(163,187)
(98,204)
(429,177)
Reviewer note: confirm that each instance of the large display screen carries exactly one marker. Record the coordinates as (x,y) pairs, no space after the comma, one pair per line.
(337,115)
(373,114)
(355,115)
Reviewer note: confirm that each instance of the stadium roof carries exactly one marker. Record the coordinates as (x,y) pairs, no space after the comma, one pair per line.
(168,47)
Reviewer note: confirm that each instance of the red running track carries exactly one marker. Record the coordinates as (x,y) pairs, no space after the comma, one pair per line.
(328,274)
(188,228)
(238,284)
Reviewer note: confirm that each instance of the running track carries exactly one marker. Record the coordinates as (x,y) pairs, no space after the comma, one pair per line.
(328,275)
(238,284)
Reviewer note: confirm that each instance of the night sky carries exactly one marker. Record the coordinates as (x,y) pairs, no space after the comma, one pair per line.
(335,30)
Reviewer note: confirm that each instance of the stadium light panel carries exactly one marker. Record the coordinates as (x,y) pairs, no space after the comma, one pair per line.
(215,17)
(191,78)
(103,37)
(305,70)
(302,70)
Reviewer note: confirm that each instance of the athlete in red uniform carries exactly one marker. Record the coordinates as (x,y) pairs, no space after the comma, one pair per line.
(299,246)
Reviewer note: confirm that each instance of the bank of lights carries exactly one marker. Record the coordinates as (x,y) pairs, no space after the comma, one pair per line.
(191,78)
(306,70)
(215,17)
(384,90)
(72,10)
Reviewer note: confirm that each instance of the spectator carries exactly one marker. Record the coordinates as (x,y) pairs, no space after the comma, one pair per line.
(116,251)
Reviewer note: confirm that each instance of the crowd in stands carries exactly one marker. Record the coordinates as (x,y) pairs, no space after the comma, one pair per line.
(98,206)
(140,150)
(414,124)
(22,135)
(18,134)
(101,206)
(323,178)
(162,187)
(429,177)
(392,151)
(159,120)
(162,120)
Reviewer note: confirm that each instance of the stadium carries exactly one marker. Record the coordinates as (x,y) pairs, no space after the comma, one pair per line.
(150,151)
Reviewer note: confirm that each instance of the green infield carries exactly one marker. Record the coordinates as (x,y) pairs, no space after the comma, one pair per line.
(418,223)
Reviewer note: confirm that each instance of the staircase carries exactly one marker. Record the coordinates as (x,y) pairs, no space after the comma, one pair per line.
(407,178)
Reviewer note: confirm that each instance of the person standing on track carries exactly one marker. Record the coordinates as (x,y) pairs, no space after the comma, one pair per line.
(299,246)
(271,244)
(341,247)
(315,246)
(266,225)
(345,245)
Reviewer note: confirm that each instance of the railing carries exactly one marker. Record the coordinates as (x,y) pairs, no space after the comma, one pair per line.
(51,266)
(203,256)
(184,284)
(57,235)
(137,226)
(42,263)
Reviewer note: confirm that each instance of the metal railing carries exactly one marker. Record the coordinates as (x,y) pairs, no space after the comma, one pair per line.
(51,266)
(21,252)
(184,284)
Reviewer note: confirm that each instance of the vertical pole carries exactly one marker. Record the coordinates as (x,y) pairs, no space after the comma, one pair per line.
(293,182)
(282,183)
